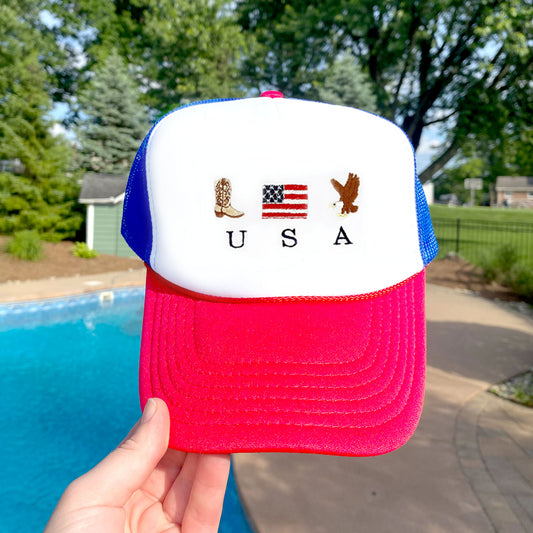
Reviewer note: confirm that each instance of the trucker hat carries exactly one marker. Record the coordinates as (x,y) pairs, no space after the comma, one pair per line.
(285,243)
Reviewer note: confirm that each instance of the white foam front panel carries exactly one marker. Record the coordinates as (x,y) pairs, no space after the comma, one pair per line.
(264,141)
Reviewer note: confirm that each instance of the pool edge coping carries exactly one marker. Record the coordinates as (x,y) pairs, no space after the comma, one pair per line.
(13,292)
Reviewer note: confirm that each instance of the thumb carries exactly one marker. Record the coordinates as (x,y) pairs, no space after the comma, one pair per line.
(125,470)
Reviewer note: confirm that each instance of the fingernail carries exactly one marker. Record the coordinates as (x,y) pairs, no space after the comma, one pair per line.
(149,411)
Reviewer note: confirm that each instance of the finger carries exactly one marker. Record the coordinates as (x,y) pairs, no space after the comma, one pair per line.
(178,496)
(127,468)
(207,495)
(165,474)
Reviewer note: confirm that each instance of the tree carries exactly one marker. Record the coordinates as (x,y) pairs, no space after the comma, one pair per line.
(509,155)
(451,180)
(24,102)
(179,51)
(111,122)
(193,51)
(48,206)
(346,84)
(290,43)
(39,195)
(464,65)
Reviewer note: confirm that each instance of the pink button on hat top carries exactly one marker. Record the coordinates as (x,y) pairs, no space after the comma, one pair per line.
(272,94)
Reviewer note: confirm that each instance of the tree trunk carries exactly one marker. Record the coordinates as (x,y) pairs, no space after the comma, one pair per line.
(439,163)
(413,126)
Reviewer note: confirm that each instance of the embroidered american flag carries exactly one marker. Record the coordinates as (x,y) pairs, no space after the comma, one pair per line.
(285,201)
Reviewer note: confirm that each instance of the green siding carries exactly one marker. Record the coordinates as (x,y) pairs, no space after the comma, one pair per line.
(107,237)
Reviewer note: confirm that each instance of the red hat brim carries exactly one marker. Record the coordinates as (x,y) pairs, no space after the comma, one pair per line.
(339,375)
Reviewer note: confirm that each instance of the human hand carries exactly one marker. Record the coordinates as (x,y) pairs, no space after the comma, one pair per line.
(143,486)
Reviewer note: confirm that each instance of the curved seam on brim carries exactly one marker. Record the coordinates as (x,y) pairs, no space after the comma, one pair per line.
(321,412)
(172,375)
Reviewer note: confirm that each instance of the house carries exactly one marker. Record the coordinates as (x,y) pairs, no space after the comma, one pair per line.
(514,191)
(104,196)
(451,200)
(429,191)
(14,166)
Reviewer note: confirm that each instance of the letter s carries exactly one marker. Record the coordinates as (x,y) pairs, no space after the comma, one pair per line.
(292,238)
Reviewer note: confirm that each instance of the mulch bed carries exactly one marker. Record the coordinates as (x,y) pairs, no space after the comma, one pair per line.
(460,274)
(58,261)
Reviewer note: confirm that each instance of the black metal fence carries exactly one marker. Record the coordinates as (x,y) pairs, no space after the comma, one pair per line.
(473,239)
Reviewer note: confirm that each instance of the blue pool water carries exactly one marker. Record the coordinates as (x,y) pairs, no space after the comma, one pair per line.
(68,391)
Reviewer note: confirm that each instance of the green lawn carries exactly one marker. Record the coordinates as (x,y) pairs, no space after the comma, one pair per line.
(496,214)
(474,232)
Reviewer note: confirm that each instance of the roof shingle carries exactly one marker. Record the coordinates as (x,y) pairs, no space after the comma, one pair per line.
(102,188)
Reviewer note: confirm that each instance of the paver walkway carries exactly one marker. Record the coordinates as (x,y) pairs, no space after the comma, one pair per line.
(494,446)
(468,468)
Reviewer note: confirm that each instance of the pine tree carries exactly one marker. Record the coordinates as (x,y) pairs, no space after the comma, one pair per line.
(35,192)
(24,101)
(112,122)
(346,84)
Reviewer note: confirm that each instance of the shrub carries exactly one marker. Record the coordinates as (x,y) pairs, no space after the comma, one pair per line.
(506,258)
(80,249)
(488,267)
(524,398)
(503,266)
(26,245)
(520,280)
(49,206)
(497,266)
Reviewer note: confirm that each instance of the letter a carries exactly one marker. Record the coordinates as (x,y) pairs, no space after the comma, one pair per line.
(342,236)
(230,233)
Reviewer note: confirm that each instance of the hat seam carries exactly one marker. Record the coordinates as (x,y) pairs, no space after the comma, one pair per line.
(258,374)
(189,328)
(193,295)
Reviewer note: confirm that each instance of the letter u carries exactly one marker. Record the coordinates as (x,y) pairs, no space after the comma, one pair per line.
(230,233)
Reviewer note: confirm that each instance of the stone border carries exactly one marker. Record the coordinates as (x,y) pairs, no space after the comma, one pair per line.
(492,460)
(40,289)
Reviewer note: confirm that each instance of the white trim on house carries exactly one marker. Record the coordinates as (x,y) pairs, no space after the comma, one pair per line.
(429,191)
(111,200)
(90,226)
(525,188)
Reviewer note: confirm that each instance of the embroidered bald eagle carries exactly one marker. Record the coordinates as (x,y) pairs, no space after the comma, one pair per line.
(348,193)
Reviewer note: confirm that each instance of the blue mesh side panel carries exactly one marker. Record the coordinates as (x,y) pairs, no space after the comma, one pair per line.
(426,235)
(136,219)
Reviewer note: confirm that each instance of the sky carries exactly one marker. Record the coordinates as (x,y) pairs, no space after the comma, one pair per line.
(432,139)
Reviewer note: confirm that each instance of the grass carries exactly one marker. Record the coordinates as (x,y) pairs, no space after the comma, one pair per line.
(482,230)
(494,214)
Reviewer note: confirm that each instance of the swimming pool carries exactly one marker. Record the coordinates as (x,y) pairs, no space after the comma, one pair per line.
(69,395)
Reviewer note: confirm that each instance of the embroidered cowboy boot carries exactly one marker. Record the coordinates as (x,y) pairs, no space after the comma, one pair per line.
(223,200)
